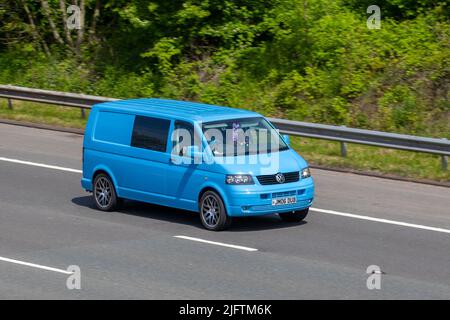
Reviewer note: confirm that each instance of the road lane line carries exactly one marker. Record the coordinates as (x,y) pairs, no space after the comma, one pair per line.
(33,265)
(337,213)
(217,243)
(398,223)
(35,164)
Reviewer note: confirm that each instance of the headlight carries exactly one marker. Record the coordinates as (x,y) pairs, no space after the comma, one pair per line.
(239,179)
(306,173)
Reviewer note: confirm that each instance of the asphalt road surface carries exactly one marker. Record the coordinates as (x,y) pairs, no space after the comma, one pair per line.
(48,223)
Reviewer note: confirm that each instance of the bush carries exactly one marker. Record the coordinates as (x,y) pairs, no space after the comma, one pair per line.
(304,60)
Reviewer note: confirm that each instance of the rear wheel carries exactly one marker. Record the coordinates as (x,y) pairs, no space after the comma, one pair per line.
(104,193)
(212,212)
(295,216)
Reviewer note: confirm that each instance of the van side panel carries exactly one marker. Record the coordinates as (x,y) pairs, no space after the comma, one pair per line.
(137,173)
(106,139)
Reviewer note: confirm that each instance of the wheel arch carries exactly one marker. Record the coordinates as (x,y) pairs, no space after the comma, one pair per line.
(216,189)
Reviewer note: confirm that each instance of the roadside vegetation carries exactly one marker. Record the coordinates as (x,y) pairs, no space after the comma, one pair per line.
(303,60)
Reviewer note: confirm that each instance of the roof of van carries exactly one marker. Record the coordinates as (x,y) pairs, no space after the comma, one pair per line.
(180,109)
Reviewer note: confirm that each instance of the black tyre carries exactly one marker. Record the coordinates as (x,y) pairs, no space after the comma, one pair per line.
(105,196)
(295,216)
(212,212)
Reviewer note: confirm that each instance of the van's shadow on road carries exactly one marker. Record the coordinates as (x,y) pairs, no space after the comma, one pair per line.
(150,211)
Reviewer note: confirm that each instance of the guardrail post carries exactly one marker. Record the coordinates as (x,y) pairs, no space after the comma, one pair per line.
(10,106)
(444,161)
(83,113)
(343,147)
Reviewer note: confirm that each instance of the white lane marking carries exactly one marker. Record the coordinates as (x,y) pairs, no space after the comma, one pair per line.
(35,164)
(398,223)
(337,213)
(33,265)
(217,243)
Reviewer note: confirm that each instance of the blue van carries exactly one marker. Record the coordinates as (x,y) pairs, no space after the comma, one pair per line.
(218,161)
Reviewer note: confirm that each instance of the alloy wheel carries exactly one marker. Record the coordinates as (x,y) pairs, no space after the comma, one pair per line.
(103,193)
(210,210)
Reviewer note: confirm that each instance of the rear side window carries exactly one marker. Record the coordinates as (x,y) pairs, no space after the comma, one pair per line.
(113,127)
(150,133)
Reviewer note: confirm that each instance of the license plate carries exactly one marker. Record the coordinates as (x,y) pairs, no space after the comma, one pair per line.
(282,201)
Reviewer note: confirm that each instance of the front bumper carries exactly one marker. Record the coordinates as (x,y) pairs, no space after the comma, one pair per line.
(257,200)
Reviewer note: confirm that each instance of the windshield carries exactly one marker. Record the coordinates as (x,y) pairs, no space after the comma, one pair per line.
(245,136)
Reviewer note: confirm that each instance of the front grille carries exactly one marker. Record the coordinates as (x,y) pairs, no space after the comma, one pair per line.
(270,178)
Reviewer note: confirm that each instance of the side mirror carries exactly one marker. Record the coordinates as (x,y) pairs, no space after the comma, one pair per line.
(287,139)
(194,152)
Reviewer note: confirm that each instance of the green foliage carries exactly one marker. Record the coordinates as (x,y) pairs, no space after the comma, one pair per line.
(402,9)
(399,109)
(299,59)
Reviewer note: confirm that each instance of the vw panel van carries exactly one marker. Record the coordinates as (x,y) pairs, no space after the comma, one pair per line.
(218,161)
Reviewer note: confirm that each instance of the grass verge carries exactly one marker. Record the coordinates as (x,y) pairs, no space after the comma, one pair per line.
(42,113)
(372,159)
(319,152)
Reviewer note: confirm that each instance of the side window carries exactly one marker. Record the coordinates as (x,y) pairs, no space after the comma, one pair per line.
(182,137)
(150,133)
(113,127)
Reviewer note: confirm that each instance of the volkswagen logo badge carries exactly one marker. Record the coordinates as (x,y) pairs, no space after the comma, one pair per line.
(280,177)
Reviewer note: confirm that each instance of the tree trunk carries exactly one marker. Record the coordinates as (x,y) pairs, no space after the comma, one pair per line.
(47,12)
(81,30)
(34,30)
(62,5)
(95,16)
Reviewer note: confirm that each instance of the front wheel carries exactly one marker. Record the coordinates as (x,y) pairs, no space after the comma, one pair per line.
(295,216)
(212,212)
